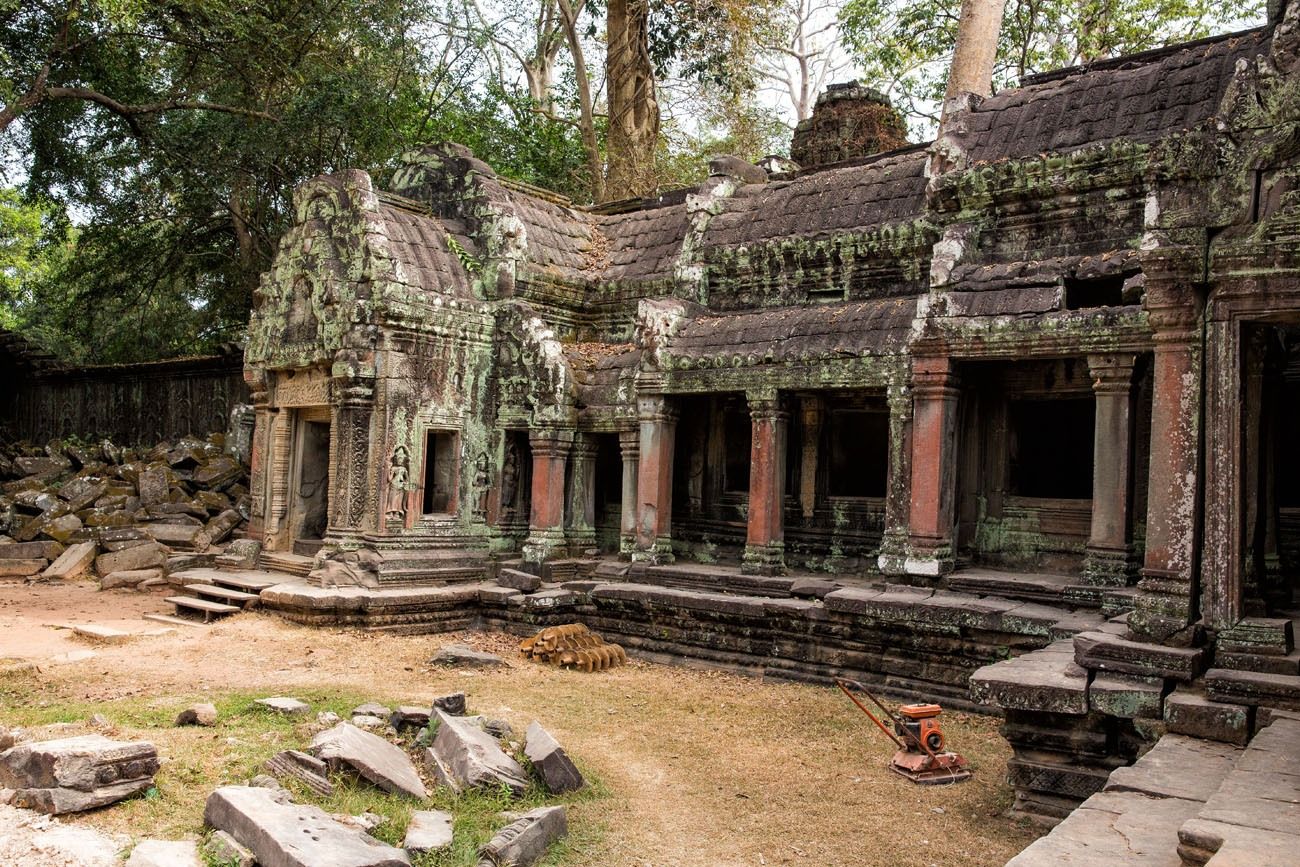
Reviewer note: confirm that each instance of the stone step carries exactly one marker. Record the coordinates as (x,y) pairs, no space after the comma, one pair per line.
(1189,712)
(1270,636)
(1254,815)
(171,621)
(224,594)
(1136,817)
(440,575)
(247,580)
(1024,586)
(281,561)
(207,608)
(1262,663)
(1253,688)
(714,579)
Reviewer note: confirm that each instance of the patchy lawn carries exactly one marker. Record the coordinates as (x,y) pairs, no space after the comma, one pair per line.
(690,767)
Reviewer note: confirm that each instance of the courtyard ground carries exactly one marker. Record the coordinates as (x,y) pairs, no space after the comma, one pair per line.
(691,767)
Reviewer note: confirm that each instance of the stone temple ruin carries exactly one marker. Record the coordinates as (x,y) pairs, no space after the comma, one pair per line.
(1007,418)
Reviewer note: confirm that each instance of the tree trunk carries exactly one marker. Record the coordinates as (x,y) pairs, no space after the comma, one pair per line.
(587,117)
(977,48)
(633,108)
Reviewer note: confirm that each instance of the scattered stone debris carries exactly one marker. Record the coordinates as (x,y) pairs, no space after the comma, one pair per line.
(409,716)
(498,728)
(524,582)
(165,853)
(573,646)
(551,761)
(285,834)
(461,656)
(525,840)
(371,708)
(31,839)
(224,849)
(429,831)
(307,769)
(79,773)
(465,756)
(286,706)
(453,704)
(201,714)
(374,758)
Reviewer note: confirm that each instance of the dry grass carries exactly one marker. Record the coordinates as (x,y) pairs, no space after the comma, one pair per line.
(692,767)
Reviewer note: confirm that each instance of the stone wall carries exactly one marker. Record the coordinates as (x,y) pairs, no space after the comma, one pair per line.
(129,403)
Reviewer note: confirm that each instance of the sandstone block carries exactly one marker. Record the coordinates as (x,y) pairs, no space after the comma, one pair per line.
(374,758)
(525,841)
(21,568)
(460,656)
(74,562)
(151,556)
(201,714)
(293,835)
(74,774)
(429,831)
(129,578)
(226,850)
(165,853)
(1191,713)
(471,757)
(552,762)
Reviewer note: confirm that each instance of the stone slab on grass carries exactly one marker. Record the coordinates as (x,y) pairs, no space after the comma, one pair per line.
(69,775)
(552,762)
(374,758)
(284,834)
(285,705)
(525,841)
(200,714)
(461,656)
(429,831)
(472,757)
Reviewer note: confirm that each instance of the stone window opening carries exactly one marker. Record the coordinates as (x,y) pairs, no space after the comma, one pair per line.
(858,453)
(1084,293)
(738,436)
(437,495)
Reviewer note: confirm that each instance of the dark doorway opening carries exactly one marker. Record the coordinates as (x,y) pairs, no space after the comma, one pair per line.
(311,488)
(859,453)
(439,475)
(1050,448)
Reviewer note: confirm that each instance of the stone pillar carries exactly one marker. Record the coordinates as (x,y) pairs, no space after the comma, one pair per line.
(1166,607)
(765,539)
(259,450)
(892,559)
(629,443)
(351,444)
(582,493)
(813,415)
(935,390)
(1109,559)
(550,449)
(654,542)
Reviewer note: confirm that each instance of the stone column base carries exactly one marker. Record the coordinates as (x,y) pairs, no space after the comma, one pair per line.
(1162,612)
(658,554)
(892,556)
(544,545)
(927,559)
(1107,567)
(766,559)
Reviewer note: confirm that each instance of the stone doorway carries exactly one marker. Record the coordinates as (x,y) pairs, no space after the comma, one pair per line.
(309,477)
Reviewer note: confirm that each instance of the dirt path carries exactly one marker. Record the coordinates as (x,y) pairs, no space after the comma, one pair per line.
(701,768)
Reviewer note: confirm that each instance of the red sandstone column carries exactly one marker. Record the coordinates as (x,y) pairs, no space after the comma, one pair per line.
(935,390)
(765,541)
(654,542)
(630,444)
(582,493)
(1109,552)
(549,448)
(259,453)
(1165,609)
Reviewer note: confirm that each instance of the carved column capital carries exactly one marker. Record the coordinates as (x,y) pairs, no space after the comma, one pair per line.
(933,377)
(1112,372)
(656,409)
(765,404)
(629,442)
(550,443)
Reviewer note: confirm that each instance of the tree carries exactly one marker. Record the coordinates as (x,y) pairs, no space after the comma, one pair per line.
(905,46)
(803,56)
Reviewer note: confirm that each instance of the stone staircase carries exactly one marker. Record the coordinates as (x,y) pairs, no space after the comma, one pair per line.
(1047,588)
(283,561)
(1189,802)
(216,593)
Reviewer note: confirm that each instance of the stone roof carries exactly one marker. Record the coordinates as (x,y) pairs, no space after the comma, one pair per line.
(855,197)
(1142,97)
(421,251)
(876,327)
(643,244)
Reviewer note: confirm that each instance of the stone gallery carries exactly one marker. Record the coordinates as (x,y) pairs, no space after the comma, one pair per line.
(1008,418)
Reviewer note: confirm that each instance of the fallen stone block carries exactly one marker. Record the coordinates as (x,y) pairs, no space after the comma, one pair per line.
(176,535)
(525,841)
(224,849)
(284,705)
(294,835)
(460,656)
(454,703)
(471,757)
(307,769)
(21,568)
(74,774)
(201,714)
(165,853)
(429,831)
(371,708)
(130,578)
(101,634)
(374,758)
(74,562)
(1099,651)
(366,721)
(408,716)
(1191,713)
(149,556)
(524,582)
(31,551)
(217,529)
(551,761)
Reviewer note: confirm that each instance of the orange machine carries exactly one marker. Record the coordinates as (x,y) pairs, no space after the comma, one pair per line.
(921,756)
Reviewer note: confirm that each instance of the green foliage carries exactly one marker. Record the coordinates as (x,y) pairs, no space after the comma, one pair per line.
(33,242)
(905,47)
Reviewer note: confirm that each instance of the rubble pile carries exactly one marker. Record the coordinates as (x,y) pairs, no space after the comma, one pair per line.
(69,509)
